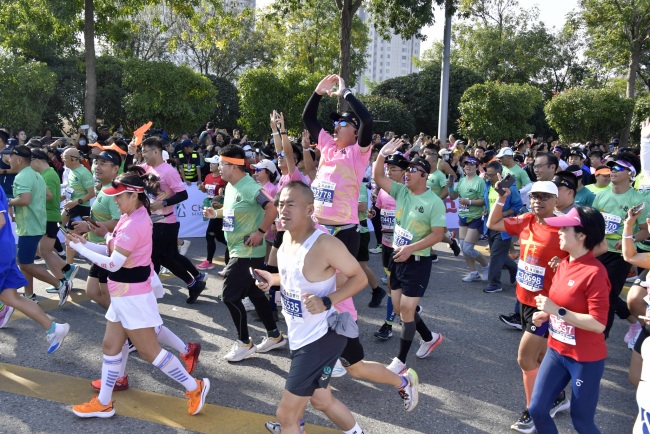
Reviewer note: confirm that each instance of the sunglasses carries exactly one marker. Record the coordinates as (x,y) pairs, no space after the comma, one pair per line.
(617,169)
(413,169)
(340,123)
(258,169)
(541,197)
(282,155)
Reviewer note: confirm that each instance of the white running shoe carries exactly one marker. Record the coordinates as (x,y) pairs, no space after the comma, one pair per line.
(248,304)
(472,277)
(182,249)
(240,351)
(427,347)
(64,291)
(338,370)
(56,339)
(484,273)
(269,344)
(409,393)
(396,366)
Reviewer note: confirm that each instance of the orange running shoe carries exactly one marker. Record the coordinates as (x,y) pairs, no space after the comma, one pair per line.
(191,358)
(94,408)
(197,396)
(121,384)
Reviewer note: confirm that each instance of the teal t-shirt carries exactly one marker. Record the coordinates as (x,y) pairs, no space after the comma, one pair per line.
(584,197)
(643,187)
(520,175)
(415,216)
(471,189)
(29,219)
(363,198)
(436,181)
(53,205)
(104,208)
(242,215)
(79,181)
(614,209)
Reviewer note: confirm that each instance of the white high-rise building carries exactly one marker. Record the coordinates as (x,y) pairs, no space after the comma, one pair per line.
(386,59)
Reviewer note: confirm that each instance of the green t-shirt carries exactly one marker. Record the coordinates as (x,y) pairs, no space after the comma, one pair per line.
(520,175)
(474,189)
(104,208)
(53,205)
(363,198)
(595,189)
(242,215)
(614,209)
(584,197)
(493,197)
(437,182)
(29,219)
(643,187)
(415,216)
(79,181)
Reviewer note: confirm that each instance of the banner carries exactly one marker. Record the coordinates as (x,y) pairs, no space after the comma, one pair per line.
(190,214)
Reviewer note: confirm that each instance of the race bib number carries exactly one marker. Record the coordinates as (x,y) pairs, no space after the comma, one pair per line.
(68,193)
(530,277)
(387,219)
(229,220)
(401,237)
(209,189)
(324,193)
(561,330)
(291,304)
(612,223)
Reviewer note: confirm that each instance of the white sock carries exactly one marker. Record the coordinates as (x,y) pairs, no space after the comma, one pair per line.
(125,357)
(167,338)
(173,368)
(356,429)
(110,373)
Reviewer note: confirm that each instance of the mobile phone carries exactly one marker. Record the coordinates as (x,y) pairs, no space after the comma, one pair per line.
(256,275)
(90,220)
(637,209)
(506,182)
(63,229)
(246,239)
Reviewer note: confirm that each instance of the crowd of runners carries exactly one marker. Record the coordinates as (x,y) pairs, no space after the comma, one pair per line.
(568,224)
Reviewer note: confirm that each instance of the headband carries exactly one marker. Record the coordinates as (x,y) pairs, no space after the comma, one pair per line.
(235,161)
(603,171)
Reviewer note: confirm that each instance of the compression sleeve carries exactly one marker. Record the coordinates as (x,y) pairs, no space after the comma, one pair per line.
(310,115)
(365,119)
(112,263)
(97,248)
(177,198)
(645,157)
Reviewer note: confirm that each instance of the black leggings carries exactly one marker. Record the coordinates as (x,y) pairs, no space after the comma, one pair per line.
(213,234)
(240,318)
(617,271)
(376,224)
(165,252)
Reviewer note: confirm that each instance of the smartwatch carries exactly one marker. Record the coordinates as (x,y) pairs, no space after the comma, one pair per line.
(327,302)
(561,312)
(164,202)
(79,201)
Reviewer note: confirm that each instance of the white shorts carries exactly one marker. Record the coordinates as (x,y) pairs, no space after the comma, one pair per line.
(135,311)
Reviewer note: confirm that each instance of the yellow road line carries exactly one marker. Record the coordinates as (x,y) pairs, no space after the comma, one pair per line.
(137,404)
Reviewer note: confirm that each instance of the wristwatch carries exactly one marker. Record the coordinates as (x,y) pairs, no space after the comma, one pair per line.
(164,202)
(561,312)
(79,201)
(327,302)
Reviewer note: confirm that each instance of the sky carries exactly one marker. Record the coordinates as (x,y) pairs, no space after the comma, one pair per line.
(551,12)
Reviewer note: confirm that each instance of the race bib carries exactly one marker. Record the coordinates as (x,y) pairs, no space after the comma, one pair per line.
(561,330)
(229,220)
(68,193)
(324,193)
(612,223)
(387,219)
(291,304)
(401,237)
(530,277)
(209,189)
(462,207)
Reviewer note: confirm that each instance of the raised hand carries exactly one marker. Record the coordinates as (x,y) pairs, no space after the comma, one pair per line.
(327,84)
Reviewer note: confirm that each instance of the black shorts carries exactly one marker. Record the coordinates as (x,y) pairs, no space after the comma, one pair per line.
(363,255)
(526,312)
(412,276)
(312,365)
(350,237)
(76,213)
(98,273)
(238,282)
(277,241)
(474,224)
(645,332)
(51,229)
(386,254)
(352,353)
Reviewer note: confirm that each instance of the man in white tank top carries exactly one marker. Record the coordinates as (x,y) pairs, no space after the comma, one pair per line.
(308,260)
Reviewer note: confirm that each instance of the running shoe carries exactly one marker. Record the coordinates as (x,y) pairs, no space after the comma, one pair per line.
(384,280)
(561,403)
(240,351)
(454,246)
(396,366)
(632,342)
(269,344)
(484,273)
(524,424)
(132,347)
(434,257)
(31,297)
(122,383)
(276,428)
(94,408)
(248,304)
(384,332)
(71,273)
(427,347)
(182,249)
(203,277)
(52,290)
(5,315)
(197,396)
(513,320)
(64,291)
(409,393)
(191,358)
(490,289)
(55,340)
(631,332)
(378,295)
(472,277)
(338,370)
(205,265)
(375,250)
(222,273)
(195,291)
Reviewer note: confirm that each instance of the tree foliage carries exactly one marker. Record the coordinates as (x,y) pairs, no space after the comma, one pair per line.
(226,111)
(641,113)
(580,115)
(389,114)
(497,110)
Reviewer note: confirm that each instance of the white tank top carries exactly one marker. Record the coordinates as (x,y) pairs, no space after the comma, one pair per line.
(302,327)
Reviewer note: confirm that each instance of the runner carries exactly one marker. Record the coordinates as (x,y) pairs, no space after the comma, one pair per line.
(603,180)
(540,244)
(420,222)
(577,307)
(213,185)
(133,311)
(363,256)
(308,262)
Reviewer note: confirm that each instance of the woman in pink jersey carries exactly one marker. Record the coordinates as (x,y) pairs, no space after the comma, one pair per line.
(133,312)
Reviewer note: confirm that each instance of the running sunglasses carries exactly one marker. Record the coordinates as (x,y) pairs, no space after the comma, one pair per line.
(541,197)
(340,123)
(616,169)
(282,155)
(258,169)
(413,169)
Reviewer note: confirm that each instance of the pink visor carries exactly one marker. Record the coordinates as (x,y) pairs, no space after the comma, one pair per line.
(572,218)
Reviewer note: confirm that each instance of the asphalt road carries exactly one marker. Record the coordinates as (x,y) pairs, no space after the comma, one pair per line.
(470,384)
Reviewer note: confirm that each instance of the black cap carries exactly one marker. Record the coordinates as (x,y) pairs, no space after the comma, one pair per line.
(348,116)
(108,155)
(577,152)
(398,160)
(564,181)
(422,163)
(20,150)
(266,151)
(39,154)
(187,143)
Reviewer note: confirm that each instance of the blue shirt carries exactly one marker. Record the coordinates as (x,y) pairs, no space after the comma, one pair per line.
(513,202)
(6,181)
(7,240)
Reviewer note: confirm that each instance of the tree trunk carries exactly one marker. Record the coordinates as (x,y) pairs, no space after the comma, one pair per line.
(635,57)
(90,98)
(345,30)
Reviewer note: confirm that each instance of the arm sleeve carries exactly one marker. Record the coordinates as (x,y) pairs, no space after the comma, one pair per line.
(177,198)
(112,263)
(97,248)
(262,198)
(365,129)
(310,115)
(645,157)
